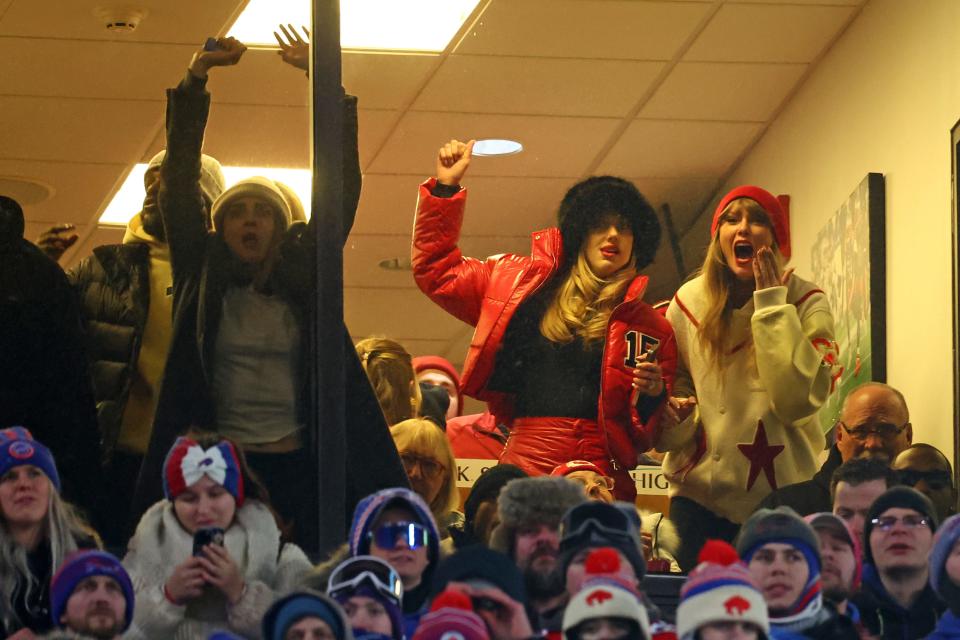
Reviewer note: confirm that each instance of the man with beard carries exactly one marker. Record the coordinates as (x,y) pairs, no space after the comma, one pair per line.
(91,596)
(874,423)
(896,601)
(840,556)
(855,485)
(530,510)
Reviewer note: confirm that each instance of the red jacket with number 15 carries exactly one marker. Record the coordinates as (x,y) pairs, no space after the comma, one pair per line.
(486,293)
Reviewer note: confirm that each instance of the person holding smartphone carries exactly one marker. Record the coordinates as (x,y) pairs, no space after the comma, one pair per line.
(210,555)
(561,335)
(757,361)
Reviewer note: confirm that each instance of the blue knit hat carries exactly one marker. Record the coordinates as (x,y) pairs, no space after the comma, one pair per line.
(83,564)
(18,448)
(287,611)
(373,505)
(943,542)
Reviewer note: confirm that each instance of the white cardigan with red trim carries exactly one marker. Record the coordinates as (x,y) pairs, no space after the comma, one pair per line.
(755,427)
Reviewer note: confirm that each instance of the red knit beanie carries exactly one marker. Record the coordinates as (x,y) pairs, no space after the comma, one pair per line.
(777,207)
(425,363)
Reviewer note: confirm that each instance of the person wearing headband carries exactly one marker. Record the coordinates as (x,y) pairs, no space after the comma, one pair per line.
(757,361)
(210,555)
(371,594)
(38,530)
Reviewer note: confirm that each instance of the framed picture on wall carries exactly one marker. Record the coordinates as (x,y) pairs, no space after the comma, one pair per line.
(849,263)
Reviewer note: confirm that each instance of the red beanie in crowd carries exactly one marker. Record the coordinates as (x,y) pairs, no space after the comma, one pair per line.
(425,363)
(777,207)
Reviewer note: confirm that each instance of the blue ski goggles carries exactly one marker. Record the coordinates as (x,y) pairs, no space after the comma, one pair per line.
(388,536)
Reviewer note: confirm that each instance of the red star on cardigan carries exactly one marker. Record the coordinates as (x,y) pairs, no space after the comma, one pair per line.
(761,455)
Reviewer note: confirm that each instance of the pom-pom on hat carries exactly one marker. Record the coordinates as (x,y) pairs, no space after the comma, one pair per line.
(589,200)
(603,598)
(719,589)
(18,448)
(775,206)
(81,565)
(187,462)
(451,617)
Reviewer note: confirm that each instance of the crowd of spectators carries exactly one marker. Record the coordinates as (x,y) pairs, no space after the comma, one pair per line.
(152,456)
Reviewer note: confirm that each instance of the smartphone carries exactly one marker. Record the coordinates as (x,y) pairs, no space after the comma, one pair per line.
(651,356)
(211,45)
(205,536)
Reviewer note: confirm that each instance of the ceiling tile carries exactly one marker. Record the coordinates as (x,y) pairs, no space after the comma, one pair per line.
(621,29)
(374,127)
(362,255)
(96,131)
(167,21)
(769,33)
(686,196)
(258,136)
(678,149)
(723,91)
(275,83)
(497,206)
(553,147)
(44,67)
(79,190)
(385,81)
(486,84)
(396,312)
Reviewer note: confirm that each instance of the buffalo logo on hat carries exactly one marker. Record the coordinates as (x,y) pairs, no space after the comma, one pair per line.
(21,450)
(452,635)
(599,597)
(736,606)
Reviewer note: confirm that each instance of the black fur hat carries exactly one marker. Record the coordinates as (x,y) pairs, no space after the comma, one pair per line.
(589,199)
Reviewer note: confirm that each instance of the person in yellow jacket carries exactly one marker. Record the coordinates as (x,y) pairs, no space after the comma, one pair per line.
(757,361)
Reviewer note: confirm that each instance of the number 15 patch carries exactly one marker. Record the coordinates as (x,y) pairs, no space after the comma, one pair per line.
(638,344)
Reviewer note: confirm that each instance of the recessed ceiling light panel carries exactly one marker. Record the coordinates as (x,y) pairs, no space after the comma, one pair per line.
(496,147)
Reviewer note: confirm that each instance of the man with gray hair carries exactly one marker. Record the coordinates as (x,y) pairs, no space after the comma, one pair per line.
(127,295)
(874,423)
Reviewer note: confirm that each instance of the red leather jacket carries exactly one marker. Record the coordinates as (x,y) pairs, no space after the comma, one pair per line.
(486,294)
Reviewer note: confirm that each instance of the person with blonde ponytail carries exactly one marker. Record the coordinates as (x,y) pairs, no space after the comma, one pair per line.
(757,361)
(565,352)
(389,367)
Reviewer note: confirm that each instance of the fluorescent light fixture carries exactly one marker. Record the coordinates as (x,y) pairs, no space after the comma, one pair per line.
(496,147)
(129,198)
(391,25)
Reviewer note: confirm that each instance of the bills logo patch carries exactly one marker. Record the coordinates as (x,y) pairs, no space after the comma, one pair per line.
(21,450)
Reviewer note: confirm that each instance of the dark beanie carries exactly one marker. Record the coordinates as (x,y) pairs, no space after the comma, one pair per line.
(477,562)
(897,498)
(487,487)
(781,525)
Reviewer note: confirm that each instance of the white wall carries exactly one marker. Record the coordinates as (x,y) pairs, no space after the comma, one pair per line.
(884,100)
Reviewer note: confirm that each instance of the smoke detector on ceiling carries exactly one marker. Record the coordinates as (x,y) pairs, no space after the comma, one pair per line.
(120,20)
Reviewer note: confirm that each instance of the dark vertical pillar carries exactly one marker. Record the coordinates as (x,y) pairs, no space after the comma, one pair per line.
(327,162)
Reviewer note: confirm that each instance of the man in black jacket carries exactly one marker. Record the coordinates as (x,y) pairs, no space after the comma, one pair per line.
(874,423)
(44,384)
(126,292)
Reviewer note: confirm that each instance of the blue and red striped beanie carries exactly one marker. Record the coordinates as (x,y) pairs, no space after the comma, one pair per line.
(187,462)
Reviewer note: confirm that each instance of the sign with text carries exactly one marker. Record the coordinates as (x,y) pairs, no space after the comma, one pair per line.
(650,480)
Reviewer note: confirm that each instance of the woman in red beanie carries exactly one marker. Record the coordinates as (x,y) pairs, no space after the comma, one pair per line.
(757,361)
(563,339)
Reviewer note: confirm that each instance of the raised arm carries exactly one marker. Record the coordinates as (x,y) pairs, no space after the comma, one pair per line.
(295,51)
(181,201)
(454,282)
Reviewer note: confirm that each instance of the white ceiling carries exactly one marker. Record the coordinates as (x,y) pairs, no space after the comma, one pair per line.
(670,94)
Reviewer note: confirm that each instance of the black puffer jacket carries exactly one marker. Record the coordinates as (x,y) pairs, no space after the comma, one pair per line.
(114,289)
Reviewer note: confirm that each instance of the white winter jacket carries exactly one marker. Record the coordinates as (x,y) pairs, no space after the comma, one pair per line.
(253,541)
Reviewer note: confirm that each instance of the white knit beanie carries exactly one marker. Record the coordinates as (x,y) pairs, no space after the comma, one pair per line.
(257,187)
(212,182)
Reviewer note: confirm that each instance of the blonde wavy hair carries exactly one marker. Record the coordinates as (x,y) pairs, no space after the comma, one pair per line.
(718,283)
(583,303)
(63,526)
(423,438)
(389,367)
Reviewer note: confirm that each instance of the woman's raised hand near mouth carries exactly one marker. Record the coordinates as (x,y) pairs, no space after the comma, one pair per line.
(766,272)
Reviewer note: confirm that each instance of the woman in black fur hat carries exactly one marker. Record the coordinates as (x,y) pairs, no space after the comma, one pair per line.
(565,350)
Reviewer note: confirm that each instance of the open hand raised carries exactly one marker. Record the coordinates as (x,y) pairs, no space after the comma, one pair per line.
(294,50)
